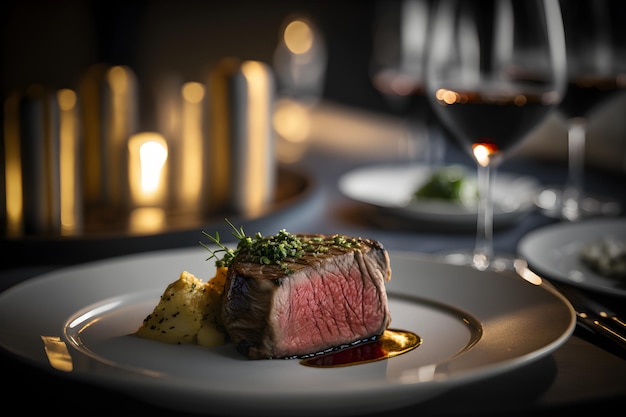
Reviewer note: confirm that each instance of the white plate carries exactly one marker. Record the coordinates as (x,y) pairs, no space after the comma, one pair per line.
(473,325)
(554,251)
(390,188)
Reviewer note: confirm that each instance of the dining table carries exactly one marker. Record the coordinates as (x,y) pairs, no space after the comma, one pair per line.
(584,374)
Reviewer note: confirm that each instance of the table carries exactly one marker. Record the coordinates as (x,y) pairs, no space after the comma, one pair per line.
(582,375)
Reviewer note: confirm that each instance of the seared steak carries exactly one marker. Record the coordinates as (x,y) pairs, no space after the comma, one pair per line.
(330,295)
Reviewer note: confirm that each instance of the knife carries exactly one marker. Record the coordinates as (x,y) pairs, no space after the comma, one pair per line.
(595,317)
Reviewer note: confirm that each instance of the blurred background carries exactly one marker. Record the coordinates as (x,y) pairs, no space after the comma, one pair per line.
(56,43)
(155,48)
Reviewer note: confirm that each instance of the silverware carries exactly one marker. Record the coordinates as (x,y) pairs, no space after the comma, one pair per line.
(594,316)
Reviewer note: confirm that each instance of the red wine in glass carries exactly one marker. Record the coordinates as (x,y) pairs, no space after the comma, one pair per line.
(585,93)
(495,69)
(496,121)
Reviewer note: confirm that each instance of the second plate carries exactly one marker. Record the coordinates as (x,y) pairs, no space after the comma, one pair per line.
(390,188)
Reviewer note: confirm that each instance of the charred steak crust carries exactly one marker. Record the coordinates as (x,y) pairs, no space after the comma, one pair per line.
(329,297)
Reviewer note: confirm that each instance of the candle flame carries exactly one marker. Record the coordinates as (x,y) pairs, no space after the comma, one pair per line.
(484,152)
(152,156)
(147,163)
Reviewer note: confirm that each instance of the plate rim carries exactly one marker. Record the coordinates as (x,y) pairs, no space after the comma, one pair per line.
(524,248)
(426,388)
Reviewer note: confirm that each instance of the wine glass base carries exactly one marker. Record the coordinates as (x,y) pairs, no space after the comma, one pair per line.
(499,262)
(550,202)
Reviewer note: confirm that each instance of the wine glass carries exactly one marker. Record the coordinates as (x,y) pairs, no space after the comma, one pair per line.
(397,70)
(596,74)
(494,71)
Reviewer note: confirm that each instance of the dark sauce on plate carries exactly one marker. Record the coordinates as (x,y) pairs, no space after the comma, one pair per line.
(392,342)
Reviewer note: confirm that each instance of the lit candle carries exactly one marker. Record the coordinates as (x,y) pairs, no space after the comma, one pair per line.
(147,169)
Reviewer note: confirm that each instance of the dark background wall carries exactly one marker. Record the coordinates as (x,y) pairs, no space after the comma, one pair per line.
(54,42)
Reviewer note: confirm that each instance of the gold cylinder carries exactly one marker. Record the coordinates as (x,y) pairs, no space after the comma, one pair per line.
(70,173)
(35,142)
(109,117)
(42,171)
(241,151)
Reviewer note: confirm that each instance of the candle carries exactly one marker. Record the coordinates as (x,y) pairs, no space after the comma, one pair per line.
(147,169)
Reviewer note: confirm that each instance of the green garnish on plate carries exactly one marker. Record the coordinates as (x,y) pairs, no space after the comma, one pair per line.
(449,183)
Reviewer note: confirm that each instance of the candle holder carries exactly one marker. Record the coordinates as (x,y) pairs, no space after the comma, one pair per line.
(77,169)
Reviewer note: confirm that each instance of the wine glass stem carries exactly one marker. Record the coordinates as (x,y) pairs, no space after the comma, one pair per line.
(483,250)
(572,192)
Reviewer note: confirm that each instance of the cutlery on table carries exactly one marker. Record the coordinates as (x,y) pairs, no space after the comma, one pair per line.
(595,317)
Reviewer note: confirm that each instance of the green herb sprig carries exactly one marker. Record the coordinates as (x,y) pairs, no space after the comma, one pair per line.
(273,249)
(228,255)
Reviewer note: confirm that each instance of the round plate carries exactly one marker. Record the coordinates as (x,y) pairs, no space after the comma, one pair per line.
(554,251)
(390,188)
(79,321)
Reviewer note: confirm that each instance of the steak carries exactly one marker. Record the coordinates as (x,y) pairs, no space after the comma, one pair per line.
(329,296)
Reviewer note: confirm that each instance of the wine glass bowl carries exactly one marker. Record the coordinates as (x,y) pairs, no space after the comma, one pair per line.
(400,36)
(494,71)
(596,66)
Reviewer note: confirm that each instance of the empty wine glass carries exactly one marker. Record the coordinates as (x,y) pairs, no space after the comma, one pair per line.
(596,73)
(397,71)
(495,69)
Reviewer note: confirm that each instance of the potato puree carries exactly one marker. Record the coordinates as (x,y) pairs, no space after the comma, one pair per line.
(188,312)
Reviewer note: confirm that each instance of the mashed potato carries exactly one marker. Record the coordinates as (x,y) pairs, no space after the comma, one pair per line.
(188,312)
